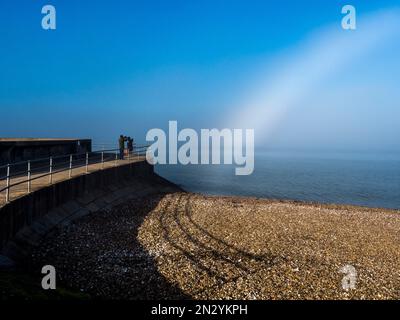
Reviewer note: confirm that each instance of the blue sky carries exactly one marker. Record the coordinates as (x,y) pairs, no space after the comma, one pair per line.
(129,66)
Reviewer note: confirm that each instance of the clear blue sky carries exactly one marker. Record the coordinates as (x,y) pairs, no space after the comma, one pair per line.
(117,66)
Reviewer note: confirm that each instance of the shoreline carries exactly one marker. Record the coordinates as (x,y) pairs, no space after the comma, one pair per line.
(331,205)
(191,246)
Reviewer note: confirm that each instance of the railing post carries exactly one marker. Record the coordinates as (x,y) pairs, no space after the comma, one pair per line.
(70,166)
(8,184)
(102,159)
(29,176)
(116,158)
(51,171)
(87,162)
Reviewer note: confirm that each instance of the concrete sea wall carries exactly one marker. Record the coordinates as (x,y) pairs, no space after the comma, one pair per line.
(37,212)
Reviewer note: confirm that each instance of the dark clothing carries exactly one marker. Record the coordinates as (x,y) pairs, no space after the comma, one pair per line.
(130,145)
(121,142)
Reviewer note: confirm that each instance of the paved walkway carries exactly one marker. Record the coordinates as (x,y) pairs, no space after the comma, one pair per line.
(22,189)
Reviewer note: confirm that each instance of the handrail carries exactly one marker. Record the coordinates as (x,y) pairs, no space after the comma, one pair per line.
(81,160)
(65,156)
(62,156)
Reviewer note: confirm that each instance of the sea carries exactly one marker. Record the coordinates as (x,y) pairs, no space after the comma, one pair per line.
(365,178)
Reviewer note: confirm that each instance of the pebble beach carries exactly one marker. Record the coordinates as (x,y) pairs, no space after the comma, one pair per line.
(189,246)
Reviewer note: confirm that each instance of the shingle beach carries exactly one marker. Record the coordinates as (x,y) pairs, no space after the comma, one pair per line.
(183,245)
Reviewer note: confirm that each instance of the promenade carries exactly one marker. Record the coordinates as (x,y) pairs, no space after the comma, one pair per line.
(38,182)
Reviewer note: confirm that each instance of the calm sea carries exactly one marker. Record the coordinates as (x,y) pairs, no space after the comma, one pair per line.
(347,178)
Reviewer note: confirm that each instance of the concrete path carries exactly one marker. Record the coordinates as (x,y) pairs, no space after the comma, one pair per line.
(22,189)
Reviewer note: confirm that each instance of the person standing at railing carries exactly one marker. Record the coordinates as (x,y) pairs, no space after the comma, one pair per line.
(121,142)
(130,145)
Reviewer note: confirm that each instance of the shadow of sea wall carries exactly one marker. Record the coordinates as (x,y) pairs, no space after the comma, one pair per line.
(100,254)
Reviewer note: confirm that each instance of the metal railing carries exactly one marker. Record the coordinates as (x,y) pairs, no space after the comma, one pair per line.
(48,167)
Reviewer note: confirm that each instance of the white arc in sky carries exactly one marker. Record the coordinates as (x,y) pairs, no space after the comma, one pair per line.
(322,55)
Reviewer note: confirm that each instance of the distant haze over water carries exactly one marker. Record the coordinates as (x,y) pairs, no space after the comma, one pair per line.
(366,179)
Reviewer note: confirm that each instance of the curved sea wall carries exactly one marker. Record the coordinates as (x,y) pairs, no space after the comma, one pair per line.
(28,218)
